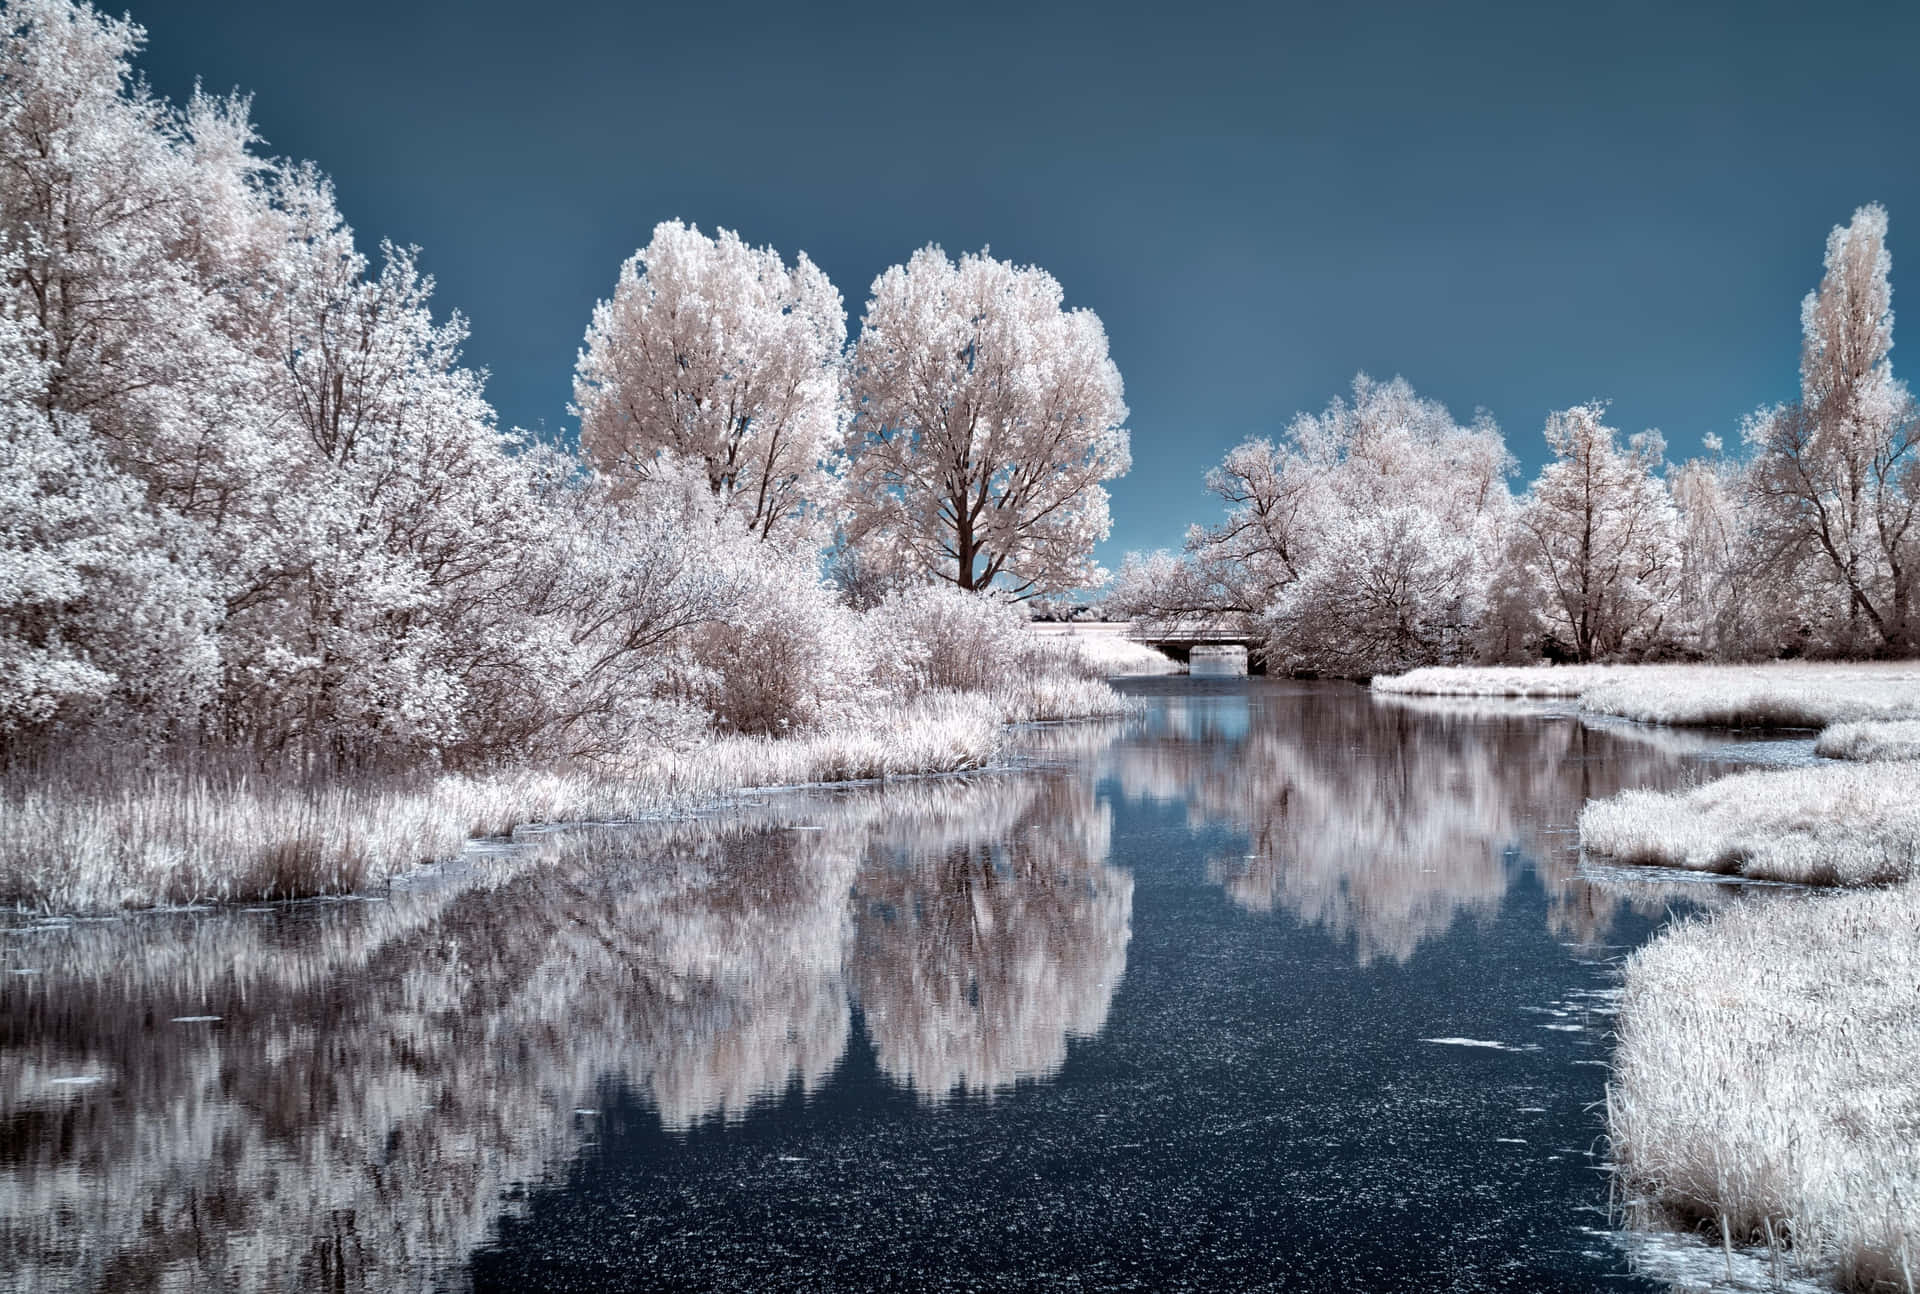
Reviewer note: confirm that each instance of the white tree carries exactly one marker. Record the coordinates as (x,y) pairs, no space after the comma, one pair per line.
(1598,539)
(1725,607)
(1391,590)
(1837,473)
(1231,573)
(717,353)
(110,354)
(986,417)
(1362,541)
(101,598)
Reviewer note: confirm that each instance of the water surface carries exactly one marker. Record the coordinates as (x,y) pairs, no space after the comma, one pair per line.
(1278,987)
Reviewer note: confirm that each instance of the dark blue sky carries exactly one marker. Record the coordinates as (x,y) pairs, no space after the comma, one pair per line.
(1515,206)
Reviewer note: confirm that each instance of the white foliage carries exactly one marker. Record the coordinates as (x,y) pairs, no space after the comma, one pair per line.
(986,417)
(789,656)
(716,353)
(1599,538)
(1361,541)
(1836,473)
(97,602)
(937,637)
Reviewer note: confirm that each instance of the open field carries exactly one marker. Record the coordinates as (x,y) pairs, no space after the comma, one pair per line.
(1764,1089)
(184,837)
(1786,694)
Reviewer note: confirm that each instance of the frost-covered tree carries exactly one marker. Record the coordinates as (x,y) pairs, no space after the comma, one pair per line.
(1598,537)
(1837,473)
(986,418)
(1232,572)
(103,604)
(719,354)
(248,489)
(588,655)
(1724,607)
(251,495)
(122,396)
(1361,541)
(400,509)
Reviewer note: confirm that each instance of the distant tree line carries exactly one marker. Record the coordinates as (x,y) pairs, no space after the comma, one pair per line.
(250,494)
(1381,535)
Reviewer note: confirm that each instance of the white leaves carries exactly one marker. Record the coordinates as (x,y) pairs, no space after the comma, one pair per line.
(1599,537)
(1835,473)
(986,417)
(248,487)
(716,353)
(1360,542)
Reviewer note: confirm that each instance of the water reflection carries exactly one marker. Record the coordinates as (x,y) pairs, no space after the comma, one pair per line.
(340,1095)
(1383,821)
(349,1095)
(978,954)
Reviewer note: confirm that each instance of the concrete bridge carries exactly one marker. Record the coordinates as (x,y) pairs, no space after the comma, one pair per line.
(1179,643)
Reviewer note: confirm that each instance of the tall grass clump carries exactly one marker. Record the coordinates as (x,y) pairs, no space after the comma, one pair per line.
(1833,825)
(1764,1091)
(174,836)
(1768,696)
(178,836)
(1533,682)
(1871,741)
(1107,650)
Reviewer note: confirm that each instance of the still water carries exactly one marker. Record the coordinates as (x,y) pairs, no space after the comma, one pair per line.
(1277,987)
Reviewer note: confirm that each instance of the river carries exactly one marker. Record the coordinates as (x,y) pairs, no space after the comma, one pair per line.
(1279,986)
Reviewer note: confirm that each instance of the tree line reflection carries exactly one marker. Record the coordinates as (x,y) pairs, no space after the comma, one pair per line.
(1384,820)
(381,1073)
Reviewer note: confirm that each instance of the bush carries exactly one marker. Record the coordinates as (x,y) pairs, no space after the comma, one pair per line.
(788,657)
(941,637)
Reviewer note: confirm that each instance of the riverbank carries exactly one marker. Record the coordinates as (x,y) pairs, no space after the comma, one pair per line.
(1763,1093)
(1781,694)
(181,836)
(1836,824)
(1763,1090)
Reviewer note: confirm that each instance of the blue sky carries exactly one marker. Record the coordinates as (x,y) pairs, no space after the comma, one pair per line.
(1515,206)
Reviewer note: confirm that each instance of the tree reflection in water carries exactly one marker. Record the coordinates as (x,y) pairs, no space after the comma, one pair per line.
(381,1074)
(978,954)
(1382,820)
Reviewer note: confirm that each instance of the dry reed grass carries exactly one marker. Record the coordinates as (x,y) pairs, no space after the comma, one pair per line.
(1537,682)
(1869,741)
(1108,651)
(1764,1091)
(79,845)
(1833,825)
(1784,694)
